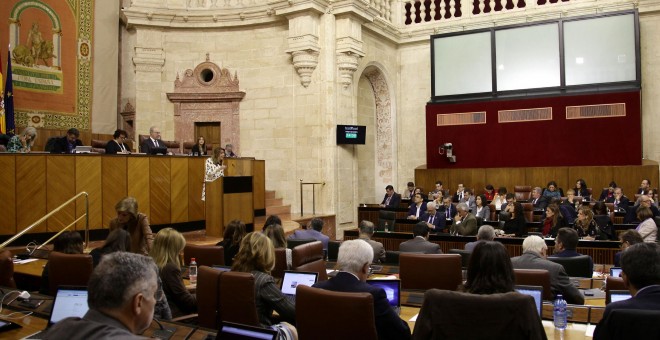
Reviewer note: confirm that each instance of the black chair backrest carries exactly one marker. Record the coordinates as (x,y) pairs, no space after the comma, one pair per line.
(391,257)
(630,324)
(333,250)
(576,266)
(292,243)
(386,216)
(50,143)
(465,256)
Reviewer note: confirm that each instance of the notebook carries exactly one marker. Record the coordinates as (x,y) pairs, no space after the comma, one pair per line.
(619,295)
(615,272)
(292,279)
(234,331)
(392,290)
(534,291)
(68,302)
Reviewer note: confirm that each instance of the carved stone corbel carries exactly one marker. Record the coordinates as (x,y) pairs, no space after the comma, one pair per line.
(305,62)
(347,63)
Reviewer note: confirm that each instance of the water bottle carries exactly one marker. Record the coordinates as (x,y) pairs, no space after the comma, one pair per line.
(559,313)
(387,227)
(192,273)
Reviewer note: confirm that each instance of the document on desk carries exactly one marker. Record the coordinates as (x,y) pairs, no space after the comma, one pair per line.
(24,261)
(414,318)
(590,331)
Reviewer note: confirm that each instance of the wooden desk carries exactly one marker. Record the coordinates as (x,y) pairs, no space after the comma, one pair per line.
(28,275)
(31,324)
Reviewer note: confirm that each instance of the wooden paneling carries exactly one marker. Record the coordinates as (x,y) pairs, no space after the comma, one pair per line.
(214,212)
(115,185)
(7,191)
(179,193)
(138,183)
(258,184)
(238,167)
(195,182)
(30,191)
(238,207)
(88,178)
(597,177)
(60,186)
(160,188)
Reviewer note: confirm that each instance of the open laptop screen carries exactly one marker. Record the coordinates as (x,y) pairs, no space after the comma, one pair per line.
(534,291)
(619,295)
(233,331)
(69,302)
(392,289)
(615,271)
(292,279)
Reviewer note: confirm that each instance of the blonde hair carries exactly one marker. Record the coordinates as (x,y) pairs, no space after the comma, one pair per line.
(216,155)
(167,246)
(275,233)
(129,205)
(256,253)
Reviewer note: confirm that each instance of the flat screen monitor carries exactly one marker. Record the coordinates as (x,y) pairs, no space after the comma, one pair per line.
(351,134)
(160,150)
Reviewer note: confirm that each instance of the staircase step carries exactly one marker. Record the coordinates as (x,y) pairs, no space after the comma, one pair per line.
(270,202)
(278,210)
(270,194)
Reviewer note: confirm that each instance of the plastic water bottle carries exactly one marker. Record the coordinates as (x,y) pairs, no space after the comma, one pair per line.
(387,227)
(559,313)
(192,273)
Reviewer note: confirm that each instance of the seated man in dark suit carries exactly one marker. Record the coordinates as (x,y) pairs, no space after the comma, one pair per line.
(566,242)
(313,231)
(447,209)
(67,143)
(366,232)
(608,193)
(391,199)
(644,187)
(627,239)
(465,223)
(460,193)
(539,202)
(485,233)
(123,291)
(644,201)
(533,257)
(153,141)
(619,200)
(434,220)
(640,265)
(353,262)
(420,243)
(418,207)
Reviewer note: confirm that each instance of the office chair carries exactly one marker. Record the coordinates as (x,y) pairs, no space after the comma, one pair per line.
(309,258)
(577,266)
(415,271)
(204,255)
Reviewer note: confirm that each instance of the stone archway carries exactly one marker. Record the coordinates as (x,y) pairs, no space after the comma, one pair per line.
(384,147)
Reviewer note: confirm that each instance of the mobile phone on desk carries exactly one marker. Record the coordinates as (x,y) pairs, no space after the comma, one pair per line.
(32,304)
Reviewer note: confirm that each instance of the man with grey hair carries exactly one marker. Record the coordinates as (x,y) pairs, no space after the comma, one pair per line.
(353,262)
(152,142)
(123,290)
(314,231)
(539,202)
(229,151)
(465,223)
(534,257)
(366,232)
(434,220)
(485,233)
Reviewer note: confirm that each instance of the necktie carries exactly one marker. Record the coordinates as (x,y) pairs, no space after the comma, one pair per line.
(156,142)
(387,201)
(431,219)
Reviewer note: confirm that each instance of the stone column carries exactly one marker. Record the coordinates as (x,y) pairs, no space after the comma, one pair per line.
(149,59)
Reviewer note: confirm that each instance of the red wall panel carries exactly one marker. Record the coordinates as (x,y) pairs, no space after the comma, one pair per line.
(556,142)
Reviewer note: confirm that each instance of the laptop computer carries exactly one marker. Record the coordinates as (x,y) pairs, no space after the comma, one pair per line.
(235,331)
(82,149)
(615,272)
(618,295)
(69,301)
(392,290)
(292,279)
(534,291)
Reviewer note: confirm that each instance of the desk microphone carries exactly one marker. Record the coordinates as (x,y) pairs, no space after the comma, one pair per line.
(163,333)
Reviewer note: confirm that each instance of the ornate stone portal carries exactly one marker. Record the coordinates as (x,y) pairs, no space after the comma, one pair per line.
(208,93)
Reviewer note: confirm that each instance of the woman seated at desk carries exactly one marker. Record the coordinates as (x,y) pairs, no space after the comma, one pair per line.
(23,142)
(514,223)
(257,256)
(167,252)
(69,242)
(602,218)
(553,221)
(275,233)
(231,240)
(118,240)
(489,270)
(586,226)
(482,210)
(199,148)
(551,190)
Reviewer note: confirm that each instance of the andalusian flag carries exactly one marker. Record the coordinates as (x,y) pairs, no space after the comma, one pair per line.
(3,125)
(10,125)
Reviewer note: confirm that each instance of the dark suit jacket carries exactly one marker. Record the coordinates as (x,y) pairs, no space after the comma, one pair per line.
(147,145)
(467,227)
(623,203)
(456,198)
(419,245)
(413,209)
(573,253)
(388,324)
(605,194)
(61,145)
(443,210)
(646,299)
(541,203)
(394,201)
(113,148)
(559,281)
(439,221)
(631,215)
